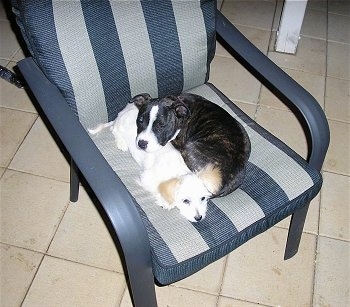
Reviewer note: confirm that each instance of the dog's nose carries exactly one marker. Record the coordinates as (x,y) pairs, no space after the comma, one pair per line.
(142,144)
(198,217)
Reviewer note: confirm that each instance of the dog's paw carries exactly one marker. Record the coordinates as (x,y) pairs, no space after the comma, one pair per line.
(161,202)
(121,143)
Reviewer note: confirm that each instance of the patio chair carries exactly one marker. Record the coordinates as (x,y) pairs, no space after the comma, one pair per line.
(88,58)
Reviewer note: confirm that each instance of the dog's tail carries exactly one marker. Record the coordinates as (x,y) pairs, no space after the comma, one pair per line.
(212,178)
(100,127)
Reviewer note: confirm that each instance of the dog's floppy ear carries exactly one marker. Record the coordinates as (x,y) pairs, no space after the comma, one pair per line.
(181,110)
(180,107)
(140,100)
(168,188)
(211,177)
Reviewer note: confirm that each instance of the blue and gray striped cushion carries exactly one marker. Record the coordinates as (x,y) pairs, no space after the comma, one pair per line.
(277,182)
(101,53)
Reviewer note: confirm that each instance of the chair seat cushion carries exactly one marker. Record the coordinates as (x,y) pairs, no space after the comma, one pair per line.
(278,181)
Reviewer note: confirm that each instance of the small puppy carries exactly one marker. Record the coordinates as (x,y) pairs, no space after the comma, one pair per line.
(206,135)
(163,172)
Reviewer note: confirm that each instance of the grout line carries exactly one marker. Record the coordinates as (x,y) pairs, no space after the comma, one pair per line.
(322,171)
(31,283)
(84,264)
(338,78)
(337,14)
(237,24)
(18,110)
(337,42)
(334,173)
(338,120)
(36,175)
(125,291)
(58,225)
(14,55)
(20,143)
(173,285)
(333,238)
(23,247)
(246,301)
(223,274)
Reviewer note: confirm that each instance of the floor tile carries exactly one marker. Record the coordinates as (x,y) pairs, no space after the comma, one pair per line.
(40,155)
(332,285)
(82,235)
(14,125)
(63,283)
(257,14)
(3,62)
(320,5)
(9,44)
(292,133)
(177,297)
(199,281)
(234,80)
(2,170)
(338,59)
(277,16)
(259,265)
(335,212)
(340,7)
(15,98)
(31,208)
(3,15)
(338,28)
(19,55)
(247,108)
(314,84)
(314,24)
(310,57)
(259,38)
(337,158)
(337,99)
(18,267)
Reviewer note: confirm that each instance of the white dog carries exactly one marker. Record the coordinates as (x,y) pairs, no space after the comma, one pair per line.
(163,172)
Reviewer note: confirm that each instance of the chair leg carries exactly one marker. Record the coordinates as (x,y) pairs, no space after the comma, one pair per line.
(142,291)
(295,231)
(74,182)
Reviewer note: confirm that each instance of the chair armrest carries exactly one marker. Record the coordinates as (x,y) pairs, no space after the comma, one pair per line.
(115,199)
(282,85)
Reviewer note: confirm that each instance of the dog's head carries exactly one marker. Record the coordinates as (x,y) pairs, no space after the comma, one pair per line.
(189,194)
(159,120)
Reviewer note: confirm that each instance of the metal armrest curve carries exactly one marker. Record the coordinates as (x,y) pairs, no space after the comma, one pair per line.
(282,85)
(115,199)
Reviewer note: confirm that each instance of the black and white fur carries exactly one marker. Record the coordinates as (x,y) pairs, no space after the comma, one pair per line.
(163,171)
(204,133)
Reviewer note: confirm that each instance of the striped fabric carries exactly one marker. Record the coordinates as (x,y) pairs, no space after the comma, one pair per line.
(277,182)
(101,53)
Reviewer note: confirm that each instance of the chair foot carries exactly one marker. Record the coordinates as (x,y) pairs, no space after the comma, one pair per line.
(144,297)
(74,182)
(295,231)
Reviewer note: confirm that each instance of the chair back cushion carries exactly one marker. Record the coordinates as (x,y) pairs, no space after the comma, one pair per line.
(101,53)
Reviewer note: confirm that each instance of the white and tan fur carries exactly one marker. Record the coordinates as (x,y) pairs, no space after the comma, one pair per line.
(163,171)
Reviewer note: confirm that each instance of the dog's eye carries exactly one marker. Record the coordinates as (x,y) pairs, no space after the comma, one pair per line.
(159,125)
(140,119)
(186,201)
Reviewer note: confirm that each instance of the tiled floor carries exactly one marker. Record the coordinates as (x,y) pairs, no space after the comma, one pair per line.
(54,253)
